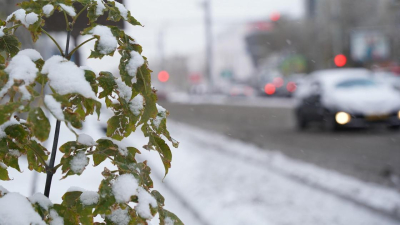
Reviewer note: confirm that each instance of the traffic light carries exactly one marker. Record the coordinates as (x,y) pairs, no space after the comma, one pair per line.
(340,60)
(163,76)
(275,16)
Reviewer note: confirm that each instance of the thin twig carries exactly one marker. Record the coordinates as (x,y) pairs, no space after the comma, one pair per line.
(66,21)
(80,12)
(55,42)
(76,48)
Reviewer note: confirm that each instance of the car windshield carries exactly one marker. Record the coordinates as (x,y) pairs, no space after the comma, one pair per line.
(356,83)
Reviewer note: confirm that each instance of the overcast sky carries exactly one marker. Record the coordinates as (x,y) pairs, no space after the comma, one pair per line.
(182,20)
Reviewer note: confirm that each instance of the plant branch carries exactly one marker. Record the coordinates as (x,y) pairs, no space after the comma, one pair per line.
(55,42)
(79,13)
(68,28)
(76,48)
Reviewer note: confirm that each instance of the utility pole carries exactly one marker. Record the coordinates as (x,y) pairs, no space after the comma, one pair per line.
(209,43)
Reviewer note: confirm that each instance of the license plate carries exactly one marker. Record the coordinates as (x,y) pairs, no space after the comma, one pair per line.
(377,117)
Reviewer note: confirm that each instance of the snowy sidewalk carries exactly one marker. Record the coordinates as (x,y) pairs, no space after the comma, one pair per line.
(216,180)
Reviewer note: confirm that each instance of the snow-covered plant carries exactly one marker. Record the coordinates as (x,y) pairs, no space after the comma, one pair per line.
(125,195)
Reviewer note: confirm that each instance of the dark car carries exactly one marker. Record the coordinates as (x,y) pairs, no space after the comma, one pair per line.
(346,98)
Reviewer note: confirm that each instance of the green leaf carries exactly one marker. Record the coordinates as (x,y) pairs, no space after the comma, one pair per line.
(70,199)
(107,83)
(167,214)
(3,174)
(163,150)
(9,44)
(35,154)
(17,132)
(91,78)
(6,111)
(40,124)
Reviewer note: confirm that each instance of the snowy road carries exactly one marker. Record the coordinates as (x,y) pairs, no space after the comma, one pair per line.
(364,154)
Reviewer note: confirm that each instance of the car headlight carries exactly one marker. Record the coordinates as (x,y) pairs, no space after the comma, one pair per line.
(398,114)
(342,118)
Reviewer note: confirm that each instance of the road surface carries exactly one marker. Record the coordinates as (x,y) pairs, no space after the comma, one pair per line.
(365,154)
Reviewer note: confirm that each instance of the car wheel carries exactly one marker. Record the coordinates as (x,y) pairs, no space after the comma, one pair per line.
(302,123)
(394,127)
(329,123)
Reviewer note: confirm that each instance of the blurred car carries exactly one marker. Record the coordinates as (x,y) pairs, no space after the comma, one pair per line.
(241,90)
(347,98)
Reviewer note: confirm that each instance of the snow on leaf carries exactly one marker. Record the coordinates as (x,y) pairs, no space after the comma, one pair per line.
(124,187)
(17,210)
(145,202)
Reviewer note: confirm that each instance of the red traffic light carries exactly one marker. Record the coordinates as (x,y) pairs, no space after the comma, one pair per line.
(269,89)
(163,76)
(340,60)
(275,16)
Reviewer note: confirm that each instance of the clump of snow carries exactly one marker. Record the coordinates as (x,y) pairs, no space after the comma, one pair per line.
(124,187)
(54,107)
(134,63)
(66,77)
(17,210)
(47,9)
(11,122)
(99,7)
(79,162)
(122,10)
(21,67)
(25,19)
(145,200)
(3,191)
(55,218)
(31,53)
(125,92)
(86,140)
(136,105)
(2,165)
(68,9)
(1,31)
(119,216)
(107,42)
(74,188)
(168,221)
(42,200)
(89,197)
(162,114)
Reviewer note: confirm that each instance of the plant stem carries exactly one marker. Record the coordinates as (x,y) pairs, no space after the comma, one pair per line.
(75,49)
(80,12)
(55,42)
(50,171)
(68,28)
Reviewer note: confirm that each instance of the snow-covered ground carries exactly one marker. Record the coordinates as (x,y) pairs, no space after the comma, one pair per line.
(218,180)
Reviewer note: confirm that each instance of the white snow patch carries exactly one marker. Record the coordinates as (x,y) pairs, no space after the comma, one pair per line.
(122,146)
(124,187)
(31,53)
(162,114)
(68,9)
(74,188)
(89,197)
(54,107)
(2,165)
(15,209)
(42,200)
(122,10)
(136,105)
(168,221)
(79,162)
(107,42)
(119,216)
(134,63)
(66,77)
(3,190)
(14,152)
(100,7)
(56,219)
(25,19)
(125,92)
(22,68)
(47,9)
(1,31)
(86,140)
(145,200)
